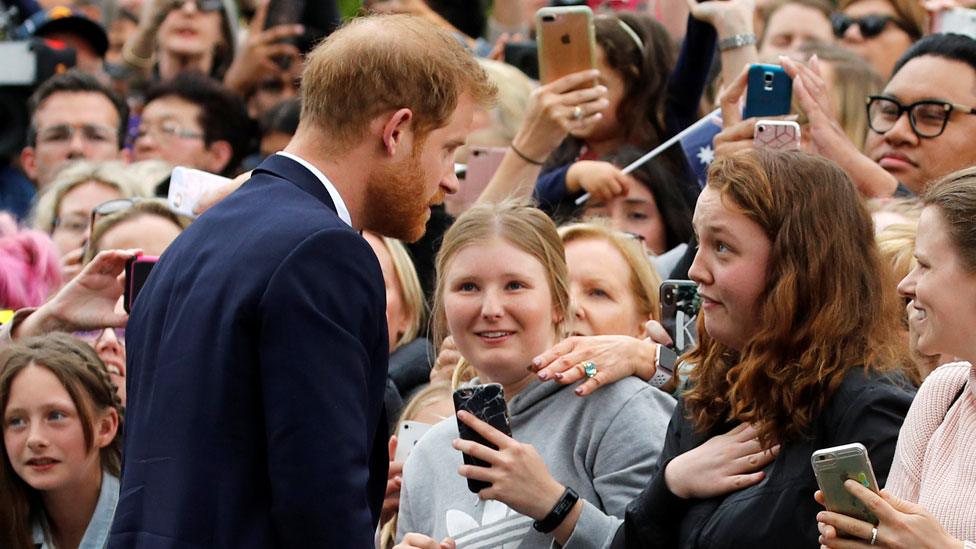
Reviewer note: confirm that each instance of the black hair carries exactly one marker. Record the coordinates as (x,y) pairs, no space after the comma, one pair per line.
(75,81)
(223,114)
(282,117)
(954,47)
(667,191)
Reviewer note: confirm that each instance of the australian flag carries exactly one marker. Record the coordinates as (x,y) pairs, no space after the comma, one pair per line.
(696,141)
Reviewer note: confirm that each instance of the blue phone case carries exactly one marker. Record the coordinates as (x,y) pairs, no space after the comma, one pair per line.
(770,91)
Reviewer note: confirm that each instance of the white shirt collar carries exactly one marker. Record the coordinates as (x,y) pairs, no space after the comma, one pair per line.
(340,206)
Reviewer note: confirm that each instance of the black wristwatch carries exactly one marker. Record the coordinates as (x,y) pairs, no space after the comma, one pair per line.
(558,513)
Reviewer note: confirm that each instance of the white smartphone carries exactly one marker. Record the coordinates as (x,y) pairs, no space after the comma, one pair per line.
(408,435)
(956,20)
(833,466)
(782,135)
(187,186)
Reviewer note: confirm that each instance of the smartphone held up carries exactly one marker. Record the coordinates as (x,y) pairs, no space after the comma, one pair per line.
(487,403)
(833,467)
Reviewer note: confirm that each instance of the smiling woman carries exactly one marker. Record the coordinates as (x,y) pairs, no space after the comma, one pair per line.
(502,291)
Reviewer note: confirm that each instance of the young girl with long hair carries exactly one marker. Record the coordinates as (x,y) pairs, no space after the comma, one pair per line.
(62,445)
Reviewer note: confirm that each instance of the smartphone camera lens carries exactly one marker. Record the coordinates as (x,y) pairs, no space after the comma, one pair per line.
(548,18)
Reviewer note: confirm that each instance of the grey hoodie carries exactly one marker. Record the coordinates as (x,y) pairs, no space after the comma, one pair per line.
(605,446)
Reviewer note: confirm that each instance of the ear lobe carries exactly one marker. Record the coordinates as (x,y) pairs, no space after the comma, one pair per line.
(394,130)
(27,163)
(220,154)
(106,428)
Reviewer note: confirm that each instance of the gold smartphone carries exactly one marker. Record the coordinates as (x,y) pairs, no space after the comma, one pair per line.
(567,42)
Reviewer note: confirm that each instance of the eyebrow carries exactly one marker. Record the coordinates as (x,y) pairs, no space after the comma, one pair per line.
(636,200)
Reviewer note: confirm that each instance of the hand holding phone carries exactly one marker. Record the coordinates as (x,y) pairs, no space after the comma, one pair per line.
(487,403)
(832,467)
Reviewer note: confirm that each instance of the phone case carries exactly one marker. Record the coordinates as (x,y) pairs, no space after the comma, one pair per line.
(482,164)
(566,41)
(833,466)
(136,272)
(408,435)
(770,91)
(781,135)
(679,313)
(487,403)
(957,21)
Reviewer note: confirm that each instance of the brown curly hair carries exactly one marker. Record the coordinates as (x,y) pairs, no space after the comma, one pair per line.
(826,309)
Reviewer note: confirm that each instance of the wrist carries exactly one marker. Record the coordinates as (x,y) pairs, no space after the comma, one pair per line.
(529,148)
(672,479)
(646,359)
(732,24)
(572,178)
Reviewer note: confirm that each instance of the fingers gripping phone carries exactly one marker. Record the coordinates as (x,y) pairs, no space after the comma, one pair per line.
(136,272)
(769,92)
(780,135)
(487,403)
(833,466)
(566,40)
(679,313)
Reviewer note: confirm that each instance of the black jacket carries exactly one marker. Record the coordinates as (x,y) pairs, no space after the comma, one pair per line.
(780,510)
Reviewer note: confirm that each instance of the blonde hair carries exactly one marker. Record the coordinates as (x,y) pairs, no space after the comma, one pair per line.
(897,245)
(411,292)
(381,63)
(645,282)
(433,392)
(152,206)
(524,226)
(111,174)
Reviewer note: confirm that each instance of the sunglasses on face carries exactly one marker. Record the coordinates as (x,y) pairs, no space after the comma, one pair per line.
(869,25)
(205,6)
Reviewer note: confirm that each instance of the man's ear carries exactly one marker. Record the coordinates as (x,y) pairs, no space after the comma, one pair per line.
(220,153)
(27,163)
(394,130)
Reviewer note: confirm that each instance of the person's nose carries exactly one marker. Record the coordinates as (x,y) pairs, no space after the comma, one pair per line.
(108,342)
(906,287)
(853,35)
(699,272)
(76,145)
(37,437)
(901,133)
(144,144)
(492,307)
(449,184)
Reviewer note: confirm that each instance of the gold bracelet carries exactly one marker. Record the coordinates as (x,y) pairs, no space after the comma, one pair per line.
(130,57)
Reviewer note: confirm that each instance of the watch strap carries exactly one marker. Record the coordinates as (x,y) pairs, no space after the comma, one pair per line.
(558,513)
(737,41)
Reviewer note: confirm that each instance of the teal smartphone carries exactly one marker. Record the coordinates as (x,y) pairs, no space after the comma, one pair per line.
(769,92)
(833,466)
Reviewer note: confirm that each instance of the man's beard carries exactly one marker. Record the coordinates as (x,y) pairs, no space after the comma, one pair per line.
(396,202)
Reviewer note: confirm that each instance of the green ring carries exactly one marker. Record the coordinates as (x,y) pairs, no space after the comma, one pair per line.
(589,368)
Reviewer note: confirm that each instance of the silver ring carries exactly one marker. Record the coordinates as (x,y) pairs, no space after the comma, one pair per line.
(577,113)
(874,536)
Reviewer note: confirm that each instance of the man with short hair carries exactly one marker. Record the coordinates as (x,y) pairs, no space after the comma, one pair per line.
(193,121)
(73,117)
(257,348)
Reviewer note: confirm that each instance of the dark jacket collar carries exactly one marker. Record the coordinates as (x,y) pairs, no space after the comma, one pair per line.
(286,168)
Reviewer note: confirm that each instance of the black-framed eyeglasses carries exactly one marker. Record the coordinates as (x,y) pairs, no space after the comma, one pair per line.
(869,25)
(202,5)
(928,117)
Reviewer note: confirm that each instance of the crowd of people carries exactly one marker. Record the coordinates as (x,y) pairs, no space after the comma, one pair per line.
(351,264)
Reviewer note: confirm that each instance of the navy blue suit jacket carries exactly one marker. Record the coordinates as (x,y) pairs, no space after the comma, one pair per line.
(257,357)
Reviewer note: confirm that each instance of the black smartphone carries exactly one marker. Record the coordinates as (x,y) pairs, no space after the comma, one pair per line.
(524,56)
(136,272)
(487,403)
(679,313)
(285,12)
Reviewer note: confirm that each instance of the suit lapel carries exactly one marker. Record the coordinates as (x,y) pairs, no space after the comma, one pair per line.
(287,169)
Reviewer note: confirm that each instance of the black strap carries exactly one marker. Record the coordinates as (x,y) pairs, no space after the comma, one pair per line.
(954,399)
(558,513)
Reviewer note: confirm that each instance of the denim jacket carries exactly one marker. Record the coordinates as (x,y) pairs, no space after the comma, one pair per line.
(96,535)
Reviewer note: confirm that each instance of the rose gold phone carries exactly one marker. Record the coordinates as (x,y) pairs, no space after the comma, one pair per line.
(567,42)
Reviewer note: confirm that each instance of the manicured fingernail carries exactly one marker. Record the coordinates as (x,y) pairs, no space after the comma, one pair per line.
(537,361)
(543,375)
(558,376)
(579,391)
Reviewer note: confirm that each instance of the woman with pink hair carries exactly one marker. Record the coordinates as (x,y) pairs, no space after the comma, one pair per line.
(29,266)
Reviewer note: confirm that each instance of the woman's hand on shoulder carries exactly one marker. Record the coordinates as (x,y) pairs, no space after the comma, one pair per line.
(614,357)
(722,465)
(902,524)
(420,541)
